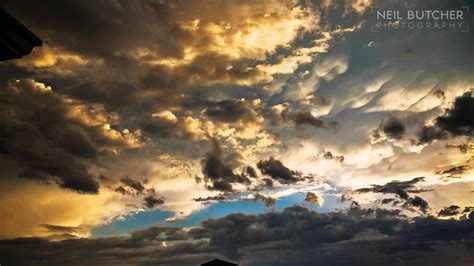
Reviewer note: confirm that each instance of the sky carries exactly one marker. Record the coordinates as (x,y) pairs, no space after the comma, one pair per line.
(260,132)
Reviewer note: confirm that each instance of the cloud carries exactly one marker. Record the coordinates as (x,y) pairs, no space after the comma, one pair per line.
(267,200)
(211,199)
(51,137)
(306,118)
(457,120)
(449,211)
(454,172)
(218,169)
(277,171)
(61,229)
(151,201)
(314,198)
(417,202)
(229,111)
(288,234)
(130,186)
(454,122)
(392,128)
(401,189)
(329,156)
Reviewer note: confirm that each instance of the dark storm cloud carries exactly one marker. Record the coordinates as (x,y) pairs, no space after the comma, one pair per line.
(219,170)
(306,118)
(50,137)
(294,233)
(250,171)
(277,171)
(417,202)
(429,133)
(456,121)
(393,128)
(401,189)
(151,201)
(103,30)
(300,228)
(121,43)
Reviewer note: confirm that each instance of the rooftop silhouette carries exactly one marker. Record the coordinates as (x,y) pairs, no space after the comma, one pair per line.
(218,262)
(16,40)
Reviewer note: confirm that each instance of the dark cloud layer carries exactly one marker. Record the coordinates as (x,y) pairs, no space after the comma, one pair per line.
(294,236)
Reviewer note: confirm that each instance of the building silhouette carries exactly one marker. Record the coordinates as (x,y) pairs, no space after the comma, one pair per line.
(218,262)
(15,39)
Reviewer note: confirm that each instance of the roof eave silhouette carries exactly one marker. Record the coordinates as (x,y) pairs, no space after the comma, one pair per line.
(16,40)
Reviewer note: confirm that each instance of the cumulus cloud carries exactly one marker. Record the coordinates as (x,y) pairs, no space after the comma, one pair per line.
(218,169)
(392,128)
(277,171)
(314,198)
(267,200)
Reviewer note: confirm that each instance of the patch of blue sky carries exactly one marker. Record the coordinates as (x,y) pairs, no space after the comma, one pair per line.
(142,220)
